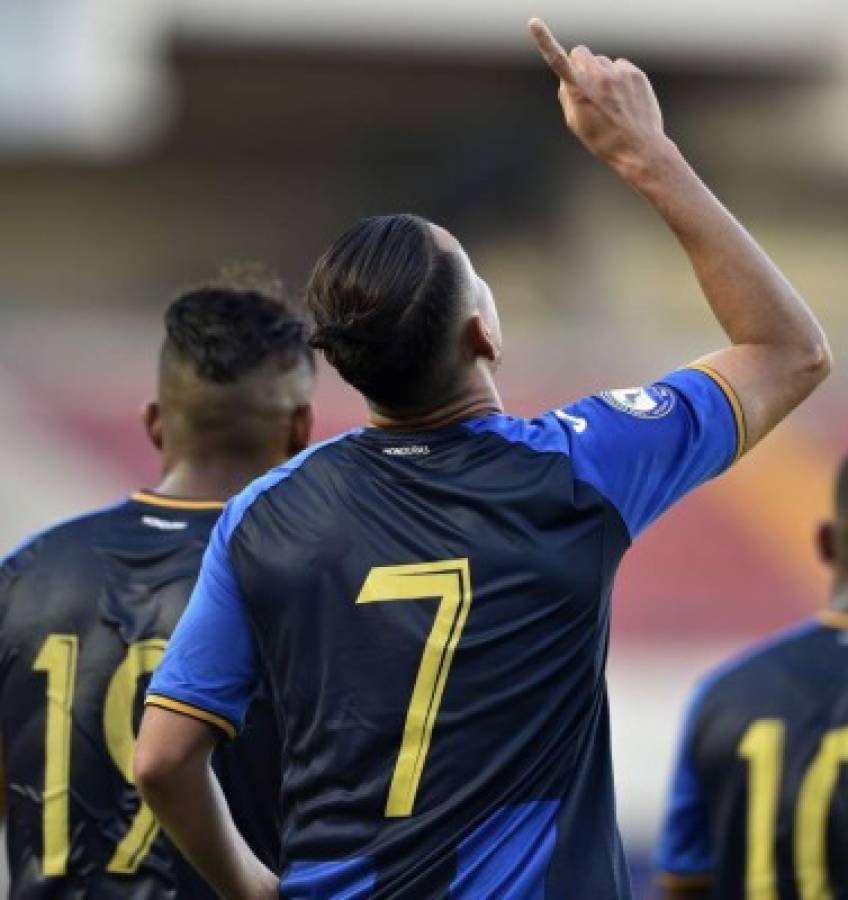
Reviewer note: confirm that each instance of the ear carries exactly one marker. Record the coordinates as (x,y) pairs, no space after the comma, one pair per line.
(300,428)
(826,540)
(151,417)
(480,339)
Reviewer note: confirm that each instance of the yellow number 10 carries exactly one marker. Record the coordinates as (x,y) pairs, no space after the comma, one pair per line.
(762,746)
(450,581)
(58,659)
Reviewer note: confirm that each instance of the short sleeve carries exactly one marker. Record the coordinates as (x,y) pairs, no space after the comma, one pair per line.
(645,448)
(684,853)
(210,669)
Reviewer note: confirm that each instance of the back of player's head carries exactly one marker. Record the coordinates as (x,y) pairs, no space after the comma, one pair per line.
(385,298)
(235,363)
(229,328)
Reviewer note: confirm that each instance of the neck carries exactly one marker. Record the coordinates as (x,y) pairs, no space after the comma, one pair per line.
(839,598)
(480,398)
(217,479)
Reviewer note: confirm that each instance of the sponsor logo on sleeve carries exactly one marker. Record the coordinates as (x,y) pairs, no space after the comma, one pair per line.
(578,423)
(652,402)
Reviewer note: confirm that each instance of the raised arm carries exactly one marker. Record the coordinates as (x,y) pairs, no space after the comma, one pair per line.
(778,351)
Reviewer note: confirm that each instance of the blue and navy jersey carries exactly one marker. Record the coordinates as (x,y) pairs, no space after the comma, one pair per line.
(86,609)
(759,798)
(432,613)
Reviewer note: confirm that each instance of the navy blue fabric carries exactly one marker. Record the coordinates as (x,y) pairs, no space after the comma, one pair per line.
(798,678)
(211,661)
(642,464)
(109,579)
(515,792)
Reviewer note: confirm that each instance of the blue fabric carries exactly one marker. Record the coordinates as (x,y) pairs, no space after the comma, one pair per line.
(508,855)
(349,879)
(642,464)
(685,847)
(211,661)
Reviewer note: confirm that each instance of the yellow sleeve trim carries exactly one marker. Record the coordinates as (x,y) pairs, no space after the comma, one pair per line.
(735,405)
(669,880)
(173,503)
(194,711)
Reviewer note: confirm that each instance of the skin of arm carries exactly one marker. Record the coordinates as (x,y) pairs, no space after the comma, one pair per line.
(174,775)
(679,893)
(779,353)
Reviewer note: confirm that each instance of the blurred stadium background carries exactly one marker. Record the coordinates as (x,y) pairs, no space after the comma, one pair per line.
(143,143)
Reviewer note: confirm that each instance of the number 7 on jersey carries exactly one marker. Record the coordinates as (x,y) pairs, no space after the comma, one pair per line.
(450,581)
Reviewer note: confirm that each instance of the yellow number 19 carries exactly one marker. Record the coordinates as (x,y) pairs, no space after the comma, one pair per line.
(58,659)
(450,581)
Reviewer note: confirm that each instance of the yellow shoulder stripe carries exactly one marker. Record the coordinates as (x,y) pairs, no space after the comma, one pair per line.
(194,711)
(669,880)
(735,405)
(173,503)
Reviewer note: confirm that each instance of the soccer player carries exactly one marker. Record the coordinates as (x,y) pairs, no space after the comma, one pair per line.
(87,607)
(759,799)
(430,596)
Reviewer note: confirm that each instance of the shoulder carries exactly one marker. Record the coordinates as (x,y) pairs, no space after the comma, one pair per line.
(547,433)
(751,664)
(243,503)
(69,532)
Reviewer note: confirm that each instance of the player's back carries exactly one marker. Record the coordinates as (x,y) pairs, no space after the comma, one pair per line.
(427,767)
(86,609)
(765,751)
(433,612)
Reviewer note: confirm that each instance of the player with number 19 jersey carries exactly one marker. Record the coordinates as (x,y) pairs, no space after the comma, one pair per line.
(86,609)
(431,610)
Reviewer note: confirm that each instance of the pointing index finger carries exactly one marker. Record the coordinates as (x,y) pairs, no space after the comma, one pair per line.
(551,51)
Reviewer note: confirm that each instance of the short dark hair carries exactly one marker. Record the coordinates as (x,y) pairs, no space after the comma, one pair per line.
(384,298)
(231,326)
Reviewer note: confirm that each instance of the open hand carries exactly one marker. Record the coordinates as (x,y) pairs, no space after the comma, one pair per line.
(610,106)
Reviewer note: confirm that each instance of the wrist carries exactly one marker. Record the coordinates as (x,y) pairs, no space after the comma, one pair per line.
(653,168)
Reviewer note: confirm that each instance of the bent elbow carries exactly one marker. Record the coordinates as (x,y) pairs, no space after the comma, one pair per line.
(818,361)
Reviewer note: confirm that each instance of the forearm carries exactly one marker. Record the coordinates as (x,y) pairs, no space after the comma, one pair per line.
(749,295)
(191,807)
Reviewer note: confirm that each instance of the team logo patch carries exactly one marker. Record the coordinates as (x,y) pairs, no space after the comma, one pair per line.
(652,402)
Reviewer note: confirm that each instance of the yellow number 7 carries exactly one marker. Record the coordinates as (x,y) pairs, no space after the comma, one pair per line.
(450,581)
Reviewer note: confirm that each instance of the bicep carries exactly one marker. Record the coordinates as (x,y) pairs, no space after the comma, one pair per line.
(765,382)
(169,740)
